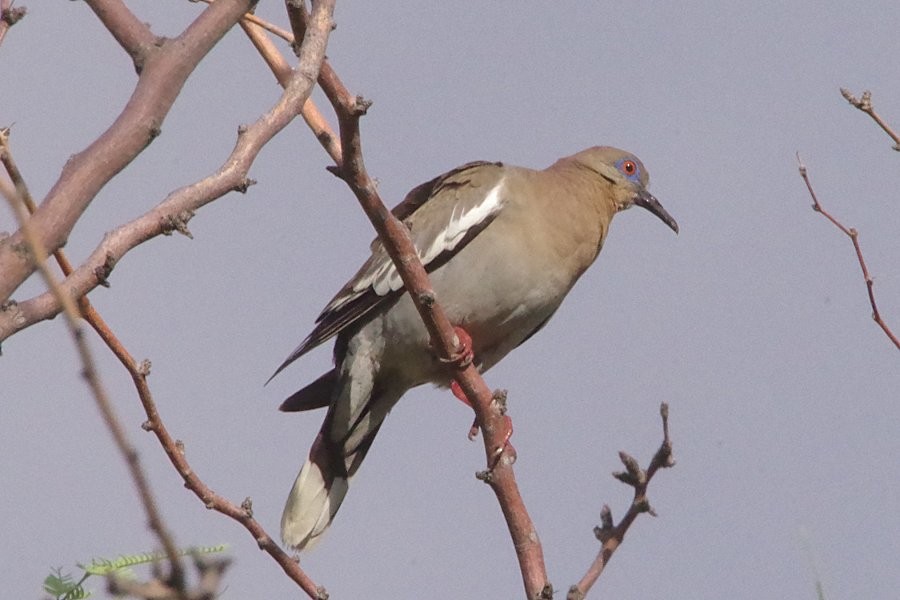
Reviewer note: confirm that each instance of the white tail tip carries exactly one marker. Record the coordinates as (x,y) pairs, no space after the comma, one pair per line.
(311,505)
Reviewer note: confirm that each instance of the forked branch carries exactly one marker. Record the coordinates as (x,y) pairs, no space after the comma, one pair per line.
(611,535)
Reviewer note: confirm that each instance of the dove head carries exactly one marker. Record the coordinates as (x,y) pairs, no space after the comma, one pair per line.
(627,178)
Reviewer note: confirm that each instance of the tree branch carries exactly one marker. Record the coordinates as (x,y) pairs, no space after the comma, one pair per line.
(853,234)
(282,71)
(20,201)
(611,536)
(132,34)
(490,414)
(164,73)
(865,105)
(173,213)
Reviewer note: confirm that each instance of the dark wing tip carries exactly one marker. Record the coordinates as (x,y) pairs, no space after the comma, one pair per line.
(315,395)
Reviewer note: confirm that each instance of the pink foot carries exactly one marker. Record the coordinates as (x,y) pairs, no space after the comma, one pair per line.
(464,354)
(463,358)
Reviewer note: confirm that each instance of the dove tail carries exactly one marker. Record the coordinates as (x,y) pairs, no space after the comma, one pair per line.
(325,477)
(314,500)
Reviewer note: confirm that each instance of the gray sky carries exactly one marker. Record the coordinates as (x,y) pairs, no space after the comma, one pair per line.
(753,323)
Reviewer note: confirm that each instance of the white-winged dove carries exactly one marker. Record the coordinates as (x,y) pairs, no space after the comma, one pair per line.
(503,246)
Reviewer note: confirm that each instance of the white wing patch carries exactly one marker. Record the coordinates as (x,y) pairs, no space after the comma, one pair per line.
(461,221)
(385,279)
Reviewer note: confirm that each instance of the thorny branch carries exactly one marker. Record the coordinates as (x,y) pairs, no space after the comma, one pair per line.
(173,214)
(853,234)
(20,201)
(163,66)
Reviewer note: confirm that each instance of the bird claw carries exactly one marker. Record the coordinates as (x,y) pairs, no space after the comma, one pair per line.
(505,447)
(459,393)
(498,452)
(463,356)
(473,430)
(507,434)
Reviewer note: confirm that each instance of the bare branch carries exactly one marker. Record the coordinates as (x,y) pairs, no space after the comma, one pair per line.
(231,175)
(173,213)
(174,449)
(610,535)
(74,323)
(853,234)
(282,71)
(865,104)
(166,69)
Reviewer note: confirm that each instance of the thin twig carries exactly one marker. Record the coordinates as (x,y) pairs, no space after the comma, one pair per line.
(73,318)
(270,27)
(853,234)
(610,535)
(174,449)
(864,104)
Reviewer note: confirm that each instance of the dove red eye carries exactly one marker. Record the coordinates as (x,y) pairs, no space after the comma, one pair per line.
(629,168)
